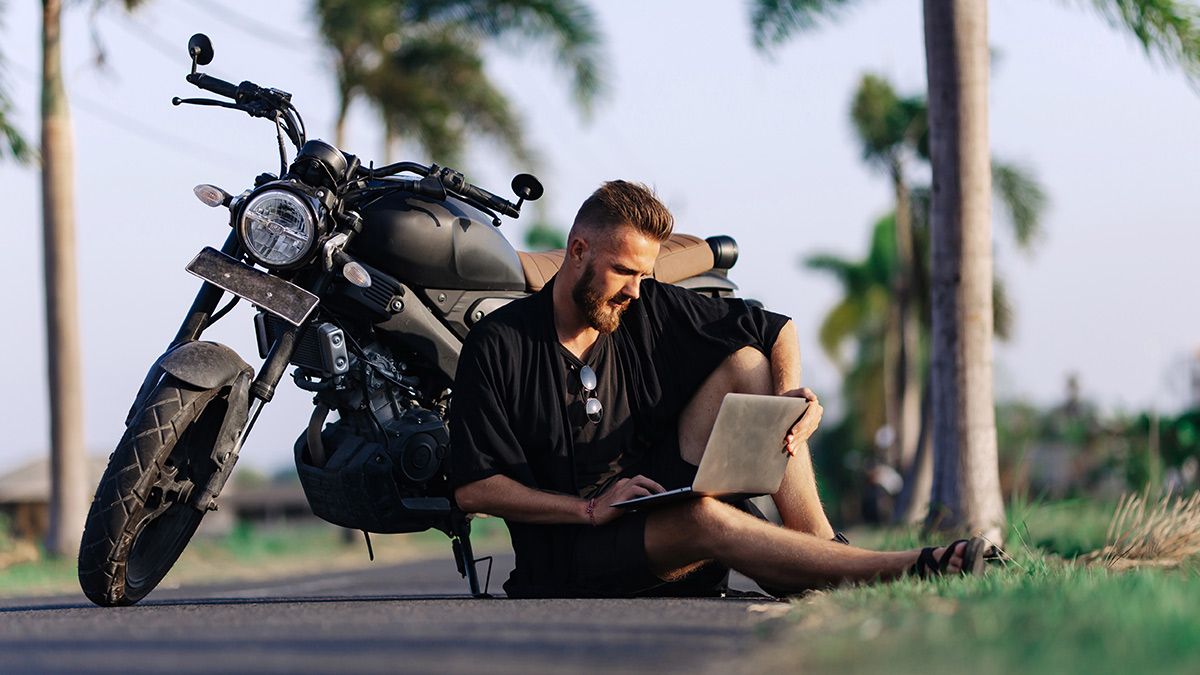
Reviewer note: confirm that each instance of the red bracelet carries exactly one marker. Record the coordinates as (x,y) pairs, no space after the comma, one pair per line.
(591,511)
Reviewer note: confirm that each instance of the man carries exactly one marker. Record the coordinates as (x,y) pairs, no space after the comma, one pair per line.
(604,386)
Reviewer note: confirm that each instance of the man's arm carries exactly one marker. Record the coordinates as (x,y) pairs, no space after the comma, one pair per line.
(504,497)
(785,360)
(785,378)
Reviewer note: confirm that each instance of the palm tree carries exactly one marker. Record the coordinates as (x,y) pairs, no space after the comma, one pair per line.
(440,117)
(890,129)
(418,62)
(68,491)
(856,331)
(966,486)
(68,461)
(893,132)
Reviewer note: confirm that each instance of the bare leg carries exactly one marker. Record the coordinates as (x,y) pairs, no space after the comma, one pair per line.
(747,371)
(682,537)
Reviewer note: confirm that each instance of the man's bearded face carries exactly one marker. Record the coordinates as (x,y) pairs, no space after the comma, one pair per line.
(602,311)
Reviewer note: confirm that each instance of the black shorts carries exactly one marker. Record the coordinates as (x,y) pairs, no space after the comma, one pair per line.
(610,561)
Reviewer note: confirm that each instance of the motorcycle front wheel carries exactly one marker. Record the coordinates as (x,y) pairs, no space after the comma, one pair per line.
(139,522)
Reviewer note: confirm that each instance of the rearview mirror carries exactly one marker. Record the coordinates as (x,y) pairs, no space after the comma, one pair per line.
(200,50)
(527,187)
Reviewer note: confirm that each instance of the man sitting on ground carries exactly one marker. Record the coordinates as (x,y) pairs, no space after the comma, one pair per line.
(535,446)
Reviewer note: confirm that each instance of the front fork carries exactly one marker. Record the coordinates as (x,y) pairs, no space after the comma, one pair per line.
(262,390)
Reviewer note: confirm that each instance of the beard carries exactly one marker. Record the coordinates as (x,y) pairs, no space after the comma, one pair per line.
(602,313)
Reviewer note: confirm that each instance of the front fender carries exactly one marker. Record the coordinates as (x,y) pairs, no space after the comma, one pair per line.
(207,365)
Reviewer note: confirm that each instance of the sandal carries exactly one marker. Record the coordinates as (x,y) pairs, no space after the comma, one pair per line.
(973,559)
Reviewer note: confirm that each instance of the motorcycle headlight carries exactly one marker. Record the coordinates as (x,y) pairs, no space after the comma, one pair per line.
(277,228)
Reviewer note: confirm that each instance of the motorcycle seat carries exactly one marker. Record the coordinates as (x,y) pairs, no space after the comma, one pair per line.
(681,256)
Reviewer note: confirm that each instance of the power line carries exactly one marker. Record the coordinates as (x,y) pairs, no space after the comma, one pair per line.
(133,126)
(252,26)
(152,39)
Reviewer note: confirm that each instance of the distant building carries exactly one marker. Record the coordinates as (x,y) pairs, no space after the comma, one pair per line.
(25,499)
(25,496)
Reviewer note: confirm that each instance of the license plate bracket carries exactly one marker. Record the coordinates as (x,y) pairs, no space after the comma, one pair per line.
(281,298)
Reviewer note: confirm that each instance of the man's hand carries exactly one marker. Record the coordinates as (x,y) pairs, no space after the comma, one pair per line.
(808,422)
(626,488)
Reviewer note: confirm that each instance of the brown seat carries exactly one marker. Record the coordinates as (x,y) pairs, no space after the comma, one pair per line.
(681,256)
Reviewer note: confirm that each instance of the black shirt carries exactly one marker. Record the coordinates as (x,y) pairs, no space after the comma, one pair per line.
(513,397)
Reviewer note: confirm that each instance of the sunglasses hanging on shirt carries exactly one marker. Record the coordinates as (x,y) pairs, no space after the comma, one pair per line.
(591,408)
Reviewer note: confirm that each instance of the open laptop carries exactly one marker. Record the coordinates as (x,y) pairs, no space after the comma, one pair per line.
(744,456)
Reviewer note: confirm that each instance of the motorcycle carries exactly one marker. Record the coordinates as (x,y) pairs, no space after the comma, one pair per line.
(366,280)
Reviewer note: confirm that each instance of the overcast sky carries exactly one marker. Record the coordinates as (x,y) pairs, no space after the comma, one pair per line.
(736,143)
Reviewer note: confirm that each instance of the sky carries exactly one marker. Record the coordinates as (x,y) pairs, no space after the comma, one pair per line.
(736,142)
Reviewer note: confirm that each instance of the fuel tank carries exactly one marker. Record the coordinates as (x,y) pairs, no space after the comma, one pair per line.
(436,244)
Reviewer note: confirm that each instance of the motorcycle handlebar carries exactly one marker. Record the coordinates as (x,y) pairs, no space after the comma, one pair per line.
(214,84)
(452,181)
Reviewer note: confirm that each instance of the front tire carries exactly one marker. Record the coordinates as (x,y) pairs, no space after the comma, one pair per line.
(140,521)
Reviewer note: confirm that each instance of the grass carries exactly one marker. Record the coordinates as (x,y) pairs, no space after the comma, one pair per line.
(1042,613)
(249,553)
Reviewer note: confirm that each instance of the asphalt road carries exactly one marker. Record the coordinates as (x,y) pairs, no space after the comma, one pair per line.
(414,617)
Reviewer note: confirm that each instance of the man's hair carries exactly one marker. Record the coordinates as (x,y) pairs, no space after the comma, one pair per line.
(619,202)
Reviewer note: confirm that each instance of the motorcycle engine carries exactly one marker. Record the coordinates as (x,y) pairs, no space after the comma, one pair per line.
(379,468)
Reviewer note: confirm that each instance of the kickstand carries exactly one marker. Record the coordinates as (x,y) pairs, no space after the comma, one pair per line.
(460,541)
(370,549)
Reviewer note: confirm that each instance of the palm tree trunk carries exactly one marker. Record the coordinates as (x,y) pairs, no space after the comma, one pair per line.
(913,504)
(343,111)
(68,461)
(904,406)
(966,482)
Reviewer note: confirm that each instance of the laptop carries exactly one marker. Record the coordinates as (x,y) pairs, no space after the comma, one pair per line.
(744,456)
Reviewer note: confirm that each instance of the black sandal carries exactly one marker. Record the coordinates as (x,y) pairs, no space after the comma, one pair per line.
(973,559)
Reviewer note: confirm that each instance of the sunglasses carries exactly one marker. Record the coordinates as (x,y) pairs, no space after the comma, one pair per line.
(593,409)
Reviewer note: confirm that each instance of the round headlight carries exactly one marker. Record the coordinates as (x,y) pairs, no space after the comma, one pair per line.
(277,228)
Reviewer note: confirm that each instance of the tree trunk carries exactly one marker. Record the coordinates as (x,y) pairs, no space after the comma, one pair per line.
(68,461)
(904,395)
(343,111)
(966,482)
(913,503)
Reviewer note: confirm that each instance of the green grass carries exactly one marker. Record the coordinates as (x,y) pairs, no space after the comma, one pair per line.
(1038,614)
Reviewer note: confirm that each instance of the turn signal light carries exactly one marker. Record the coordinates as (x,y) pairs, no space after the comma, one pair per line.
(356,274)
(211,195)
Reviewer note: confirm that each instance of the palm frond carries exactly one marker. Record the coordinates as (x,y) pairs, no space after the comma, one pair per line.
(774,21)
(840,325)
(876,115)
(1168,28)
(1023,198)
(433,88)
(568,27)
(839,267)
(14,144)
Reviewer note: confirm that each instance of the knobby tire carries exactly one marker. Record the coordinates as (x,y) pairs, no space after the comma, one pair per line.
(117,522)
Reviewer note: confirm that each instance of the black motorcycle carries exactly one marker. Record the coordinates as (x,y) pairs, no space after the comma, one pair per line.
(367,282)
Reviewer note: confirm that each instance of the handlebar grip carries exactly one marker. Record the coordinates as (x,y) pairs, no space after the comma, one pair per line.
(490,200)
(215,85)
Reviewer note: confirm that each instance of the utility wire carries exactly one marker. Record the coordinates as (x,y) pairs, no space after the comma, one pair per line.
(135,127)
(252,26)
(152,39)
